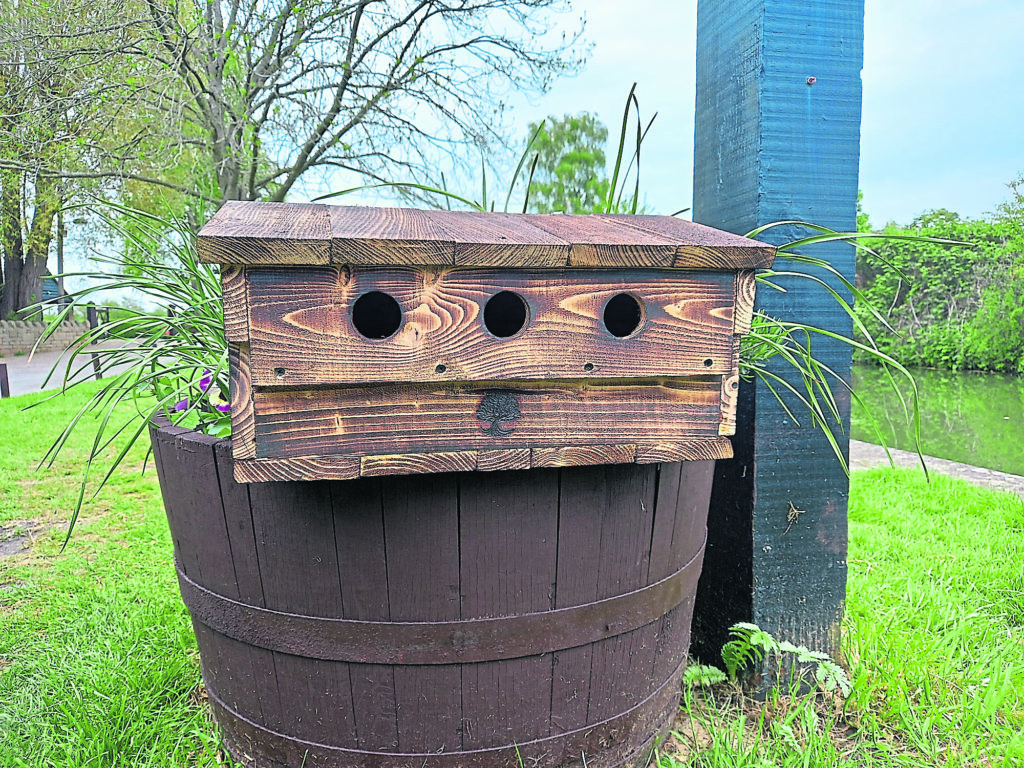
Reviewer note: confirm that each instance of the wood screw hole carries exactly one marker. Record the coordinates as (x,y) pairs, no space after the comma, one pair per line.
(708,362)
(440,368)
(279,372)
(588,367)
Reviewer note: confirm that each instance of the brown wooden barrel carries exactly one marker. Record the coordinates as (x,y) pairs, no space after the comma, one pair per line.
(464,619)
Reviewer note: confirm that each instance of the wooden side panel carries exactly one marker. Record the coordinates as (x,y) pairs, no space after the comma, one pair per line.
(730,393)
(743,311)
(417,463)
(490,461)
(508,552)
(421,523)
(267,233)
(693,450)
(243,425)
(388,236)
(383,420)
(304,468)
(295,542)
(574,456)
(362,562)
(303,332)
(236,303)
(500,239)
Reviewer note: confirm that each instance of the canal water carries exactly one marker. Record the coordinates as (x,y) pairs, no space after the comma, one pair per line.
(973,418)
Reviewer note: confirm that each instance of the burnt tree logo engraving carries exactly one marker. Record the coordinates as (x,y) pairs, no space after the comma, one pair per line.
(500,410)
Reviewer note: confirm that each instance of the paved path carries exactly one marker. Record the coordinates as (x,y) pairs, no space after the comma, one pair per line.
(866,456)
(27,374)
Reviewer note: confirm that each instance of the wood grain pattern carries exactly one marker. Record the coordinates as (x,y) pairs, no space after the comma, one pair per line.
(596,241)
(286,233)
(417,463)
(236,303)
(387,236)
(730,396)
(302,331)
(500,239)
(267,233)
(500,459)
(412,419)
(697,246)
(743,309)
(691,450)
(350,466)
(574,456)
(303,468)
(243,426)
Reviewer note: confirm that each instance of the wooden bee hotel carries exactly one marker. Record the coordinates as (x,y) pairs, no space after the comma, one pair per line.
(376,341)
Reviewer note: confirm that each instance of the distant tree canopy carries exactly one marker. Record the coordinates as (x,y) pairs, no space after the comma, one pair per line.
(213,100)
(957,307)
(570,175)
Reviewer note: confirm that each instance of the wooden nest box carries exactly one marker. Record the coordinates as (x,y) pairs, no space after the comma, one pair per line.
(377,341)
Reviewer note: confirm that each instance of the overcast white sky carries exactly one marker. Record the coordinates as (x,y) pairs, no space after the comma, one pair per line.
(943,114)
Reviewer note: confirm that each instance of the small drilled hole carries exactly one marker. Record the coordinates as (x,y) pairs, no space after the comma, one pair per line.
(440,368)
(623,315)
(588,367)
(279,372)
(708,362)
(505,314)
(376,315)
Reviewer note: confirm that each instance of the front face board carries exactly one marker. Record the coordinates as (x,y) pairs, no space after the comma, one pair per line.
(347,369)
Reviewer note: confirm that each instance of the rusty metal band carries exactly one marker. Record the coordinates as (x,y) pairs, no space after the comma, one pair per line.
(444,642)
(616,741)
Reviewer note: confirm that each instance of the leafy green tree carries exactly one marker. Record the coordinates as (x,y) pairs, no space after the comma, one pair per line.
(952,306)
(570,174)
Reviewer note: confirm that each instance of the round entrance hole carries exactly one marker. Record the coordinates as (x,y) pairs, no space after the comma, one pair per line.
(623,315)
(376,315)
(505,314)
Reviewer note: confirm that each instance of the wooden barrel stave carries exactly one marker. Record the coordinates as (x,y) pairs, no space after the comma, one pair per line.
(441,548)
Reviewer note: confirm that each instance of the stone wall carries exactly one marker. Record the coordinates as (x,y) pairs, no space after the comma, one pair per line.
(20,335)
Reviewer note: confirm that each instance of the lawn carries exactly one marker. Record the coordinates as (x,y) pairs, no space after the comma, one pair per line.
(98,666)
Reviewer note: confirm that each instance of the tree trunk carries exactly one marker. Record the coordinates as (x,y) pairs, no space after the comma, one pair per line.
(10,242)
(25,262)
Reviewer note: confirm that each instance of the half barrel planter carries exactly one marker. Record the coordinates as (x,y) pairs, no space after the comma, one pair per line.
(462,515)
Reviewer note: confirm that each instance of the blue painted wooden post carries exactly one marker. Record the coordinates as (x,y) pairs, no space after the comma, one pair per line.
(778,137)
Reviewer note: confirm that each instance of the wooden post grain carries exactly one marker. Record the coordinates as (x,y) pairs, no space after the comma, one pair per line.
(777,138)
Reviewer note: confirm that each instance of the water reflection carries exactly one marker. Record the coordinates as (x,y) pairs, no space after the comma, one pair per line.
(974,418)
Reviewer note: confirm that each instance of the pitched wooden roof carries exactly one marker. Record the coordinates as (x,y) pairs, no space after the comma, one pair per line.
(252,233)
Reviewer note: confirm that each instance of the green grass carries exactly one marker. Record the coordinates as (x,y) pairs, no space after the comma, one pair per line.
(98,666)
(933,640)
